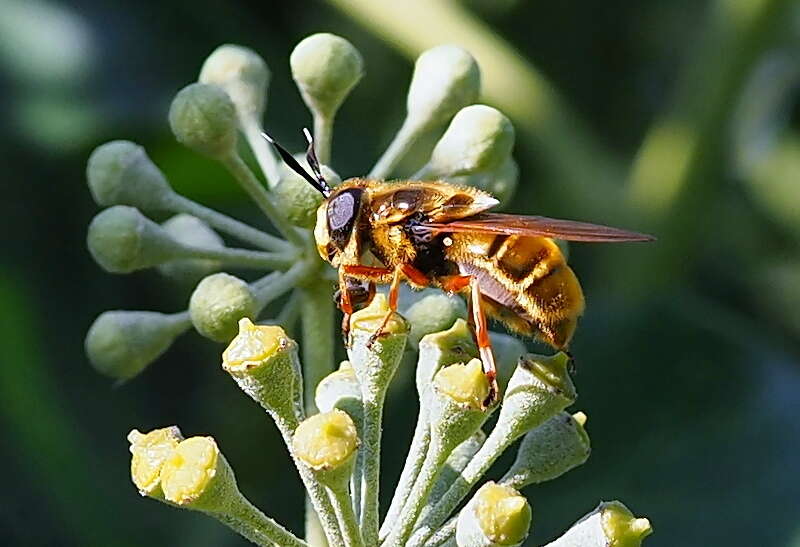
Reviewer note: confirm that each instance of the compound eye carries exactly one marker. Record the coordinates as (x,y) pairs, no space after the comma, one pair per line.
(342,213)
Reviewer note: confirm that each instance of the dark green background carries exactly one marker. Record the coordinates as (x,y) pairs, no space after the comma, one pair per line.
(689,353)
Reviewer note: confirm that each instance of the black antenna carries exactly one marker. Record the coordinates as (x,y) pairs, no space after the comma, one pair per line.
(317,182)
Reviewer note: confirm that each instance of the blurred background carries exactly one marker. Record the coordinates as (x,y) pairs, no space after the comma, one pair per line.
(678,117)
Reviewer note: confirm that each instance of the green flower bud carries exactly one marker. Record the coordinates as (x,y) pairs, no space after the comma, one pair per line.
(242,73)
(191,231)
(340,389)
(610,524)
(149,451)
(446,78)
(121,173)
(263,361)
(500,182)
(497,516)
(479,138)
(123,240)
(549,451)
(203,118)
(325,67)
(120,344)
(327,444)
(218,303)
(435,312)
(539,389)
(299,200)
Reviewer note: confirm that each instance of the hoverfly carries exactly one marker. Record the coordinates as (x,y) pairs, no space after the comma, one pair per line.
(441,235)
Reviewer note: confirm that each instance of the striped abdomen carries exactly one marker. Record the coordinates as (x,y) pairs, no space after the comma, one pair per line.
(525,281)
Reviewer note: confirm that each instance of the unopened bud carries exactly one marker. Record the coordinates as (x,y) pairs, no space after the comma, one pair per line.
(500,182)
(550,450)
(263,361)
(479,138)
(242,73)
(434,313)
(203,118)
(121,173)
(218,303)
(299,200)
(327,443)
(611,523)
(149,451)
(120,344)
(446,78)
(193,232)
(339,389)
(325,67)
(123,240)
(497,516)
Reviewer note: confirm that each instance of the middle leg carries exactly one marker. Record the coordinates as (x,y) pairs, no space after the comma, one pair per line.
(477,320)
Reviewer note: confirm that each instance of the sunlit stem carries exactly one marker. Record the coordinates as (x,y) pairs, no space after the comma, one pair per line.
(224,223)
(265,155)
(273,285)
(323,137)
(343,505)
(251,523)
(408,133)
(411,469)
(248,181)
(244,258)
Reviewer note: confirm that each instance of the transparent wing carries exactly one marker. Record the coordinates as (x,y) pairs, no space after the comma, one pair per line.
(570,230)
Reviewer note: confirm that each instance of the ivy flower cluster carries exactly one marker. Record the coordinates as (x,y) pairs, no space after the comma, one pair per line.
(330,417)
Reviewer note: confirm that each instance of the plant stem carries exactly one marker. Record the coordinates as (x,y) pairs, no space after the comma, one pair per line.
(263,152)
(411,469)
(224,223)
(343,506)
(431,467)
(401,143)
(273,285)
(244,258)
(317,319)
(371,470)
(316,492)
(323,137)
(248,181)
(245,519)
(444,535)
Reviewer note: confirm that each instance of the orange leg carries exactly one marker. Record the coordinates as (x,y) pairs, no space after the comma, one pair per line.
(394,293)
(477,320)
(454,283)
(367,272)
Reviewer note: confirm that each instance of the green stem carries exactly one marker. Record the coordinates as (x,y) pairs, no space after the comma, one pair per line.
(431,518)
(434,460)
(245,519)
(317,319)
(224,223)
(263,152)
(248,181)
(273,285)
(317,494)
(323,137)
(444,535)
(244,258)
(343,505)
(402,142)
(411,469)
(371,471)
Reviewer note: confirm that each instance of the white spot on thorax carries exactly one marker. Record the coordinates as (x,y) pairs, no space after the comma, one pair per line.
(447,241)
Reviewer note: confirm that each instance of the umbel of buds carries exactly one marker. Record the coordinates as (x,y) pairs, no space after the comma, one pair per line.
(145,224)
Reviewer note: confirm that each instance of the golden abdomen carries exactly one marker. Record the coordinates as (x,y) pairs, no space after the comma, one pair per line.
(525,281)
